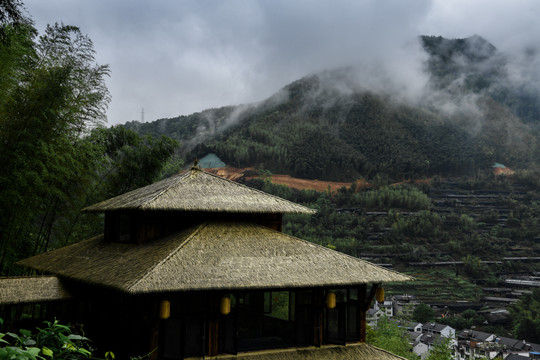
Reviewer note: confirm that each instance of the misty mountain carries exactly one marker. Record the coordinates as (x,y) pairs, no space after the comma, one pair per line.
(345,123)
(473,66)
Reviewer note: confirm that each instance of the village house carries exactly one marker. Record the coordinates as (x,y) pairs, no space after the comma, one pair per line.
(426,336)
(373,316)
(404,304)
(423,337)
(480,345)
(517,357)
(425,343)
(196,266)
(379,309)
(433,328)
(386,307)
(419,348)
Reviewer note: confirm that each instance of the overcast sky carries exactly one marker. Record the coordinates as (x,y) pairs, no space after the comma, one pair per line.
(177,57)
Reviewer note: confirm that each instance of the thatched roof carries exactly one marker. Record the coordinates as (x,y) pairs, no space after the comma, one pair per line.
(328,352)
(210,256)
(22,290)
(196,190)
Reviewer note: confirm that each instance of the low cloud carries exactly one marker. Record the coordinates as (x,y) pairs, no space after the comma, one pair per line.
(175,58)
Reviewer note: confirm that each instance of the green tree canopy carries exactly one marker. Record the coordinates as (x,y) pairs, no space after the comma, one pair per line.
(526,315)
(442,350)
(51,94)
(389,336)
(56,155)
(423,313)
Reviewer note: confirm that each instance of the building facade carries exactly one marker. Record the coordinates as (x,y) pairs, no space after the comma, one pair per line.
(196,266)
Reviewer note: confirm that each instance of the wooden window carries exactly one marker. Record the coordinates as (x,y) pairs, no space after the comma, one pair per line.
(342,323)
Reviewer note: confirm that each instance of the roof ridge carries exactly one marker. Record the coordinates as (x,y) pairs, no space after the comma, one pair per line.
(198,228)
(164,190)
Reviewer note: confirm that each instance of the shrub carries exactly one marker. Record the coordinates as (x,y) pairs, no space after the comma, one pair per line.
(54,341)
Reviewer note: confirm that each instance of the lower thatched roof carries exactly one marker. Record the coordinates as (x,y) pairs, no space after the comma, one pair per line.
(22,290)
(210,256)
(331,352)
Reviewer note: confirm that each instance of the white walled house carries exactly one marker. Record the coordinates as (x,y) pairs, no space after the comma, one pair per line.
(439,329)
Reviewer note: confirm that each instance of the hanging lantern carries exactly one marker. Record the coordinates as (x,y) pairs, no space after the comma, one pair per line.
(379,294)
(225,305)
(164,309)
(330,300)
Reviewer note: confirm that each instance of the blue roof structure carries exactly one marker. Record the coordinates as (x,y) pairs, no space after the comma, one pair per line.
(211,161)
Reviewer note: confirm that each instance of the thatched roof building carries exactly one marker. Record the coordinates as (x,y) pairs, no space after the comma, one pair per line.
(210,256)
(196,265)
(27,290)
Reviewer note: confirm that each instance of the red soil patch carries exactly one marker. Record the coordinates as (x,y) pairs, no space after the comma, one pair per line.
(301,184)
(234,174)
(503,171)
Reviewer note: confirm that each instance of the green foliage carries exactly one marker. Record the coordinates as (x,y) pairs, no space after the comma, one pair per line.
(392,197)
(56,157)
(526,317)
(132,161)
(389,336)
(474,267)
(11,16)
(55,341)
(360,134)
(51,99)
(466,320)
(423,313)
(441,350)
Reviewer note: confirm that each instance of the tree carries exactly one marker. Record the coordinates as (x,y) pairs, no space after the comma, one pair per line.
(526,316)
(131,161)
(11,15)
(474,267)
(442,350)
(423,313)
(56,156)
(389,336)
(54,95)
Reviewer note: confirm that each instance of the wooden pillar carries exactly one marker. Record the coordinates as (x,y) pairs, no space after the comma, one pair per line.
(365,300)
(213,330)
(156,327)
(213,327)
(318,317)
(362,312)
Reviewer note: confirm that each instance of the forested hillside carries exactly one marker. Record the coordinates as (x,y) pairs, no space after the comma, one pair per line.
(465,233)
(330,126)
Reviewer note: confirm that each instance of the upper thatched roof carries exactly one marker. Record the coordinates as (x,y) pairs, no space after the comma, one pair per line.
(210,256)
(327,352)
(21,290)
(196,190)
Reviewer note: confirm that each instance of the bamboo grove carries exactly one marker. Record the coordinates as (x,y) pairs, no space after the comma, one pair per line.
(57,156)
